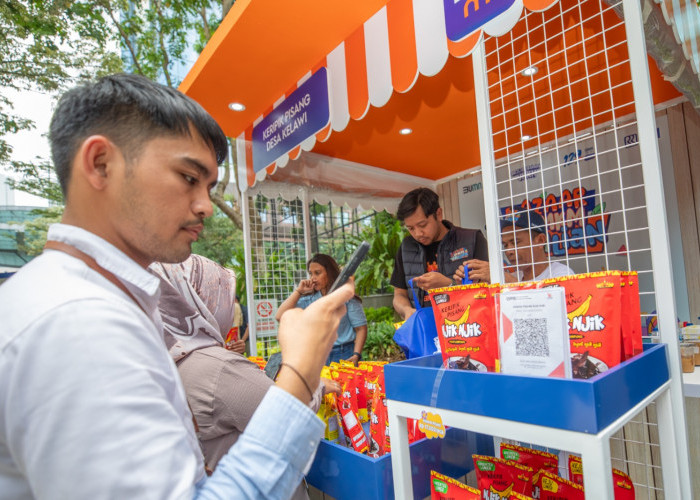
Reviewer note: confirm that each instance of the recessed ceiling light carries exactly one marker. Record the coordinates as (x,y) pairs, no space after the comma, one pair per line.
(529,71)
(405,131)
(236,106)
(526,137)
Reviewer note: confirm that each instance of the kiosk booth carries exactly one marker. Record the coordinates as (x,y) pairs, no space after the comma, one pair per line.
(553,106)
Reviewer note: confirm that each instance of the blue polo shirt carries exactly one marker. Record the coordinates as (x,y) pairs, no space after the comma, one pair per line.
(353,318)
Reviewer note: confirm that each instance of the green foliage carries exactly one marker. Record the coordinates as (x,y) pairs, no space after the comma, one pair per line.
(384,236)
(35,230)
(380,345)
(48,46)
(220,239)
(379,314)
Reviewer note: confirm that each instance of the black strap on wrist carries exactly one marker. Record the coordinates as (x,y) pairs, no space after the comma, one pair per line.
(358,354)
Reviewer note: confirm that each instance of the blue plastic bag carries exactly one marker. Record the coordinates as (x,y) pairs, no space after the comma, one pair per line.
(418,335)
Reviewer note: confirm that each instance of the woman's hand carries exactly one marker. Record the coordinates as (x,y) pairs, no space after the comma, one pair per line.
(305,287)
(330,386)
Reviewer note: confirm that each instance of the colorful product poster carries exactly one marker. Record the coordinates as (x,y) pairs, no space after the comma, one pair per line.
(533,333)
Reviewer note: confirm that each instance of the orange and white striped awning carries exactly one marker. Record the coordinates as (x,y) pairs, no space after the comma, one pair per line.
(387,53)
(683,16)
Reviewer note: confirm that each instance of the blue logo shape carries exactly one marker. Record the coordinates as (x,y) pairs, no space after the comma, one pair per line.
(464,17)
(300,116)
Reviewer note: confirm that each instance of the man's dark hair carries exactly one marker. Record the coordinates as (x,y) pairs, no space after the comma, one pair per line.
(129,110)
(426,198)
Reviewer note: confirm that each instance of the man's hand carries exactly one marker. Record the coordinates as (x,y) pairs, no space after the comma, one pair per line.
(479,271)
(306,337)
(305,287)
(431,280)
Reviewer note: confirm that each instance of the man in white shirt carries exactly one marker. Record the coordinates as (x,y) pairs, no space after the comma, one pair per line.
(91,405)
(524,241)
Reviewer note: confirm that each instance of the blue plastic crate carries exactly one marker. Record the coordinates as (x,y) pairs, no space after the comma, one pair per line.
(346,474)
(578,405)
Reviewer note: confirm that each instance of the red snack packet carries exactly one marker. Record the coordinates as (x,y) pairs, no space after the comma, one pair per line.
(622,485)
(593,303)
(414,432)
(535,459)
(378,427)
(466,326)
(497,479)
(445,488)
(232,335)
(360,391)
(548,486)
(519,496)
(351,424)
(575,469)
(633,314)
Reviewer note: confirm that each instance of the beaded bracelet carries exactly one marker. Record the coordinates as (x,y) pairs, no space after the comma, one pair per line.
(306,384)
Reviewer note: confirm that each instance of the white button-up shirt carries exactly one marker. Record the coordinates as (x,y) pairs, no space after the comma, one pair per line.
(91,404)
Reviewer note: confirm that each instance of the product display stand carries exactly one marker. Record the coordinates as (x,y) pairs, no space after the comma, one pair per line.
(578,416)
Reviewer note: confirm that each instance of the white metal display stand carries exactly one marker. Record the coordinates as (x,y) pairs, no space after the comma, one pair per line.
(594,447)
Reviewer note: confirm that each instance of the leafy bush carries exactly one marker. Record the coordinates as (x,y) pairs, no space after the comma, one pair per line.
(380,343)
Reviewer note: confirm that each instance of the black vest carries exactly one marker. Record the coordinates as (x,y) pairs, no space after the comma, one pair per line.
(413,255)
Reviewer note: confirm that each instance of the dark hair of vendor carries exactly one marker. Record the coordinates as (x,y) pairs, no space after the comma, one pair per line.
(426,198)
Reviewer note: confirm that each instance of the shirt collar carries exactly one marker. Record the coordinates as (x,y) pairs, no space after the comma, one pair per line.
(135,277)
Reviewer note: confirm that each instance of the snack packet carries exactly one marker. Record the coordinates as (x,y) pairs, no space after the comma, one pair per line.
(466,325)
(575,469)
(445,488)
(497,479)
(623,487)
(519,496)
(549,486)
(535,459)
(631,316)
(414,432)
(593,303)
(351,425)
(379,427)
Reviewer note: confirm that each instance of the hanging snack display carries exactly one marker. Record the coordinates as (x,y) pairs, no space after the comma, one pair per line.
(548,486)
(498,478)
(535,459)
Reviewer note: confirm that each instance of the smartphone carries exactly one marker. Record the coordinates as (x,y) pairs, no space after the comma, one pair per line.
(351,267)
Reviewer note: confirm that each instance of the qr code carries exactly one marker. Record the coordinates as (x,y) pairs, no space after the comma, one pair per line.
(531,337)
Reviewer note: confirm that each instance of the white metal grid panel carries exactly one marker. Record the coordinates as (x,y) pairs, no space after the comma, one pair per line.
(566,146)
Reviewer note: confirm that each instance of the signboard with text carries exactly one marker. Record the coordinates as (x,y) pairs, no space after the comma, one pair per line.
(464,17)
(301,115)
(265,323)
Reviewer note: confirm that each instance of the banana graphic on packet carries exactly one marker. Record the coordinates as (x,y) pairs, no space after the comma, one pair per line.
(580,310)
(462,319)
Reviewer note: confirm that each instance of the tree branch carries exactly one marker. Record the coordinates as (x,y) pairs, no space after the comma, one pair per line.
(166,58)
(125,38)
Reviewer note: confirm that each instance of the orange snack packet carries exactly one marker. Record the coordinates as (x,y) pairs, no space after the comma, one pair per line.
(466,326)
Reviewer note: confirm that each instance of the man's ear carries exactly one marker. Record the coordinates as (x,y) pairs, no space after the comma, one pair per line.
(96,158)
(438,214)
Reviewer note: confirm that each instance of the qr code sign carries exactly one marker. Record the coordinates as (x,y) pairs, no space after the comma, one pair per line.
(531,337)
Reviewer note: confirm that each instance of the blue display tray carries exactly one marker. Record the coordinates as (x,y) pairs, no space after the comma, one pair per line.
(577,405)
(345,474)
